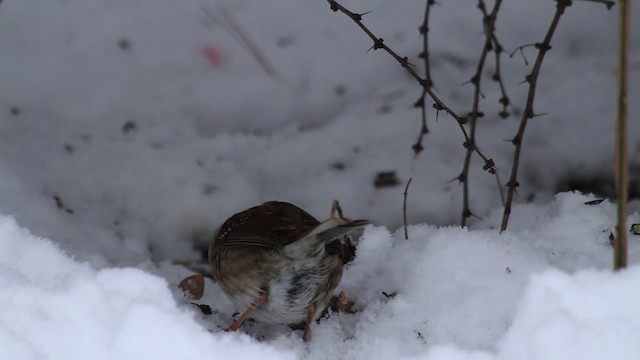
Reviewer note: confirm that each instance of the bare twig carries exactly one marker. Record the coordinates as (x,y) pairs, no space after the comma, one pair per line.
(61,205)
(528,113)
(424,31)
(378,43)
(488,21)
(231,26)
(521,50)
(621,172)
(500,188)
(497,75)
(424,55)
(607,3)
(404,209)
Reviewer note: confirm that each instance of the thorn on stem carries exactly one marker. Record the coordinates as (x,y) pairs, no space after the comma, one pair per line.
(417,148)
(489,166)
(542,47)
(378,44)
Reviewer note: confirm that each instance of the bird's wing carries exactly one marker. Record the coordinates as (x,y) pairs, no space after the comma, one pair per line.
(272,225)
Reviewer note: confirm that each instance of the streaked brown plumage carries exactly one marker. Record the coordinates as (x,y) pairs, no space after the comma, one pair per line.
(278,264)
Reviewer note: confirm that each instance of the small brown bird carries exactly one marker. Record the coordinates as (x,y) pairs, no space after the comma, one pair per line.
(278,264)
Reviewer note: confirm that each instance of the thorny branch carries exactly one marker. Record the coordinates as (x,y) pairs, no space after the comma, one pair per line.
(488,21)
(378,43)
(528,113)
(404,209)
(424,55)
(497,75)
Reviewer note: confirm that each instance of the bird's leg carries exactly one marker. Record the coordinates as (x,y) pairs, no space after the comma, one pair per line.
(236,324)
(311,311)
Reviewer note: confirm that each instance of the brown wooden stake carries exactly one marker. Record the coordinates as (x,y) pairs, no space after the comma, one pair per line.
(621,172)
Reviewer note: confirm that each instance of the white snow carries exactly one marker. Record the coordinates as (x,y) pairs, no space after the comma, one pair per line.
(56,308)
(130,129)
(460,294)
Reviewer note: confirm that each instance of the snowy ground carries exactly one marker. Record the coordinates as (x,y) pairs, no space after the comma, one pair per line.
(130,129)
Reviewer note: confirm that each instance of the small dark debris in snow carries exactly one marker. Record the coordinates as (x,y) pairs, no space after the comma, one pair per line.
(15,111)
(508,270)
(386,179)
(124,44)
(400,36)
(356,149)
(157,145)
(612,238)
(420,337)
(384,109)
(200,163)
(69,148)
(594,202)
(60,205)
(635,229)
(390,295)
(338,165)
(531,197)
(129,126)
(206,309)
(285,41)
(209,189)
(340,90)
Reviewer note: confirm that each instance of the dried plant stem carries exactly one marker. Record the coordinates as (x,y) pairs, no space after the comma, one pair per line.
(497,75)
(621,164)
(424,30)
(378,43)
(488,21)
(404,209)
(528,113)
(424,55)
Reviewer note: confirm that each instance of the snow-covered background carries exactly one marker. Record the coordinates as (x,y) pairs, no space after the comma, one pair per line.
(130,129)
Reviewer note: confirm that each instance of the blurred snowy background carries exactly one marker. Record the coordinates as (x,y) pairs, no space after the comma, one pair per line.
(129,130)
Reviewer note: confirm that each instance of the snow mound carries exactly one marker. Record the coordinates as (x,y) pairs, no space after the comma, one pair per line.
(445,293)
(52,307)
